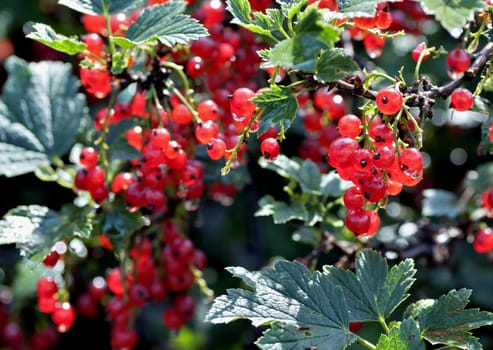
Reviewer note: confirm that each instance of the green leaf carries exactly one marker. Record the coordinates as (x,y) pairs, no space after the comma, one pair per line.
(119,62)
(375,290)
(118,221)
(77,221)
(332,185)
(165,23)
(35,229)
(40,114)
(439,203)
(47,36)
(290,8)
(302,51)
(363,8)
(334,64)
(453,15)
(307,308)
(32,228)
(405,337)
(310,177)
(448,322)
(96,7)
(282,165)
(278,105)
(281,212)
(241,11)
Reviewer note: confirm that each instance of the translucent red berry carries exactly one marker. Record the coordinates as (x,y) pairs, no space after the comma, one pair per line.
(483,240)
(458,61)
(270,148)
(461,99)
(389,100)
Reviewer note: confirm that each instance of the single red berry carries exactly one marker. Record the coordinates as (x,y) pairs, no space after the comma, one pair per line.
(51,258)
(483,240)
(208,110)
(458,61)
(358,221)
(365,22)
(63,316)
(461,99)
(416,53)
(216,148)
(349,126)
(355,326)
(270,148)
(88,157)
(241,106)
(389,100)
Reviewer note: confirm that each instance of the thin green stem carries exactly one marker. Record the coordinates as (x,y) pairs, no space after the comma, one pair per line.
(473,45)
(202,284)
(105,129)
(178,70)
(234,152)
(366,343)
(384,325)
(184,100)
(106,14)
(88,53)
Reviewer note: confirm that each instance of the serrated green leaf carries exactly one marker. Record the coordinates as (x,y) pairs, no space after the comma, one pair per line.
(34,130)
(405,337)
(363,8)
(31,228)
(302,50)
(413,310)
(452,15)
(332,185)
(310,177)
(448,322)
(46,35)
(439,203)
(334,64)
(278,105)
(306,307)
(76,221)
(240,9)
(165,23)
(35,229)
(281,212)
(375,290)
(119,62)
(290,8)
(282,165)
(96,7)
(118,221)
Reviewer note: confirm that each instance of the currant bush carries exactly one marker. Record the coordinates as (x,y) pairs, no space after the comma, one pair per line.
(165,108)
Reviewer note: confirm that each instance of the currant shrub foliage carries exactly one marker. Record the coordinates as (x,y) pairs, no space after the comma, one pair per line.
(377,154)
(314,310)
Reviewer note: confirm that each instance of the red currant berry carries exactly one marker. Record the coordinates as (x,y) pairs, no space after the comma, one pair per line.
(358,221)
(416,53)
(88,157)
(389,100)
(483,241)
(270,149)
(458,61)
(349,126)
(216,149)
(461,99)
(63,316)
